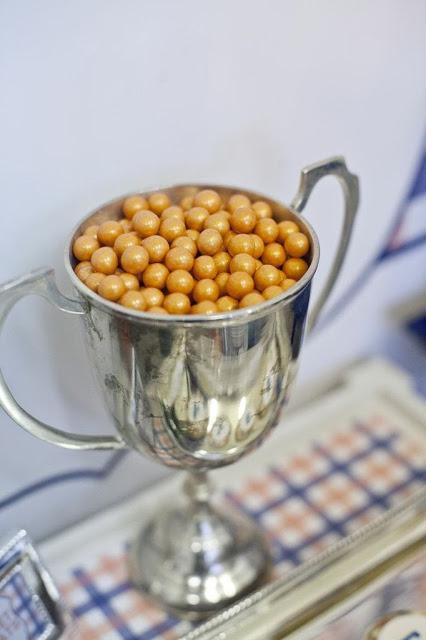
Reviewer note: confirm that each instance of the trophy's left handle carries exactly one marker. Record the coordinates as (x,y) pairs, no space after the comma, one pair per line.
(41,282)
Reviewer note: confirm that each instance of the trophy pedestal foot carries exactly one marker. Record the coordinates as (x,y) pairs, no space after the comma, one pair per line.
(197,558)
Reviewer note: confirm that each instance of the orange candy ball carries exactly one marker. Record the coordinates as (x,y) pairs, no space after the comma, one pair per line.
(193,234)
(208,199)
(84,247)
(173,212)
(133,300)
(111,287)
(109,231)
(227,237)
(158,310)
(221,281)
(204,267)
(92,230)
(226,303)
(243,262)
(104,260)
(295,268)
(241,243)
(185,243)
(206,289)
(267,229)
(266,276)
(236,201)
(153,297)
(222,261)
(251,299)
(285,228)
(132,205)
(83,269)
(287,283)
(209,242)
(125,240)
(297,245)
(157,248)
(180,281)
(135,260)
(179,258)
(187,202)
(158,202)
(155,275)
(274,254)
(93,280)
(262,209)
(258,244)
(272,292)
(205,307)
(146,223)
(243,220)
(177,303)
(239,284)
(130,281)
(126,225)
(217,221)
(196,217)
(172,228)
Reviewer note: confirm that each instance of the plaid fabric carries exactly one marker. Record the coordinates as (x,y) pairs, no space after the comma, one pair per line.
(304,504)
(22,615)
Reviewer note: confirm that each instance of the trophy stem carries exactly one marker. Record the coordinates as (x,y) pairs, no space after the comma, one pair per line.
(196,557)
(197,486)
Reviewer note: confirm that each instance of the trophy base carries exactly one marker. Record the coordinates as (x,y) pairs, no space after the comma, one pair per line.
(198,558)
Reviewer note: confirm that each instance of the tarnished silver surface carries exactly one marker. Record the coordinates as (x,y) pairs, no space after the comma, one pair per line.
(193,392)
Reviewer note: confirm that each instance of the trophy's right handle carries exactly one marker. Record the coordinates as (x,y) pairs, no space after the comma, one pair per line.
(41,282)
(350,185)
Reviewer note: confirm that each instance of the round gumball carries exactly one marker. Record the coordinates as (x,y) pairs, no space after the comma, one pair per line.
(266,276)
(239,284)
(135,260)
(111,288)
(250,299)
(206,289)
(158,202)
(157,248)
(133,300)
(177,304)
(104,260)
(208,199)
(146,223)
(155,275)
(295,268)
(204,267)
(132,205)
(84,247)
(180,281)
(205,307)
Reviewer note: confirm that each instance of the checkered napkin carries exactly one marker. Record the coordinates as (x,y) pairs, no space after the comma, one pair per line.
(304,503)
(22,615)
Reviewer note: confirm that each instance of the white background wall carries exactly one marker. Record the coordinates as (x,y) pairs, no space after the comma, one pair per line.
(99,98)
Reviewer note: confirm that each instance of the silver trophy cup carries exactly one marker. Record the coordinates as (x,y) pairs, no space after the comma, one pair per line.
(194,393)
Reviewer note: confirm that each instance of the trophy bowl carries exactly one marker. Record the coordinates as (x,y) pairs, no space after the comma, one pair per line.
(195,393)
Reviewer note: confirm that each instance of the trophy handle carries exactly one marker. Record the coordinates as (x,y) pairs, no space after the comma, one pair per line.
(41,282)
(350,185)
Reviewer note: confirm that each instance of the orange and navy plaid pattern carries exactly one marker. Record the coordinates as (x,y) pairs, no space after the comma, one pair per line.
(304,504)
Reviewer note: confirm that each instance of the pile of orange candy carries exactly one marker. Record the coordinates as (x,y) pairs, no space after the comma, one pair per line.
(201,257)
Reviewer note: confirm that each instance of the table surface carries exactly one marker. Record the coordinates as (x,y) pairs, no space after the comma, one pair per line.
(335,465)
